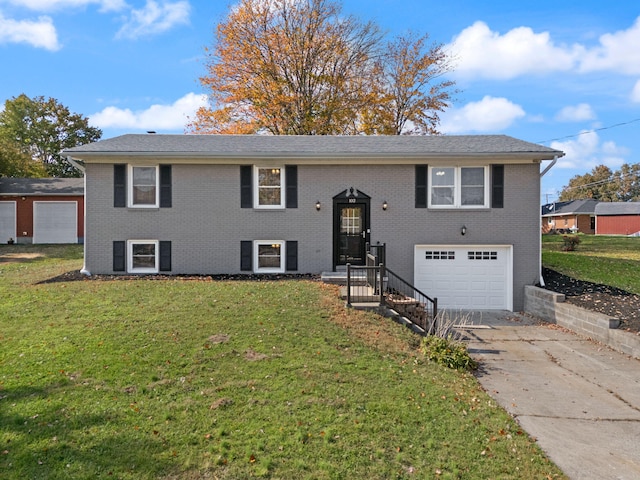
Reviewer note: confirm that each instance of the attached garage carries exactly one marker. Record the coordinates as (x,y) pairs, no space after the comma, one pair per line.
(55,222)
(478,277)
(7,221)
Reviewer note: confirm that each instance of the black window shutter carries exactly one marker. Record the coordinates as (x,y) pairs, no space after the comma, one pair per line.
(165,256)
(421,186)
(165,186)
(291,179)
(497,186)
(119,185)
(292,256)
(119,256)
(246,255)
(246,187)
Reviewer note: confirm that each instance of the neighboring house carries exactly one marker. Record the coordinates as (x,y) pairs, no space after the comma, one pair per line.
(570,216)
(216,204)
(618,218)
(41,210)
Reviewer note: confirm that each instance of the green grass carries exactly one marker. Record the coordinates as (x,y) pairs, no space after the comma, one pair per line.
(613,261)
(187,379)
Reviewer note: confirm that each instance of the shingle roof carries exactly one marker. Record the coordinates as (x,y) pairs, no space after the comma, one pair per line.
(41,186)
(313,145)
(585,207)
(618,208)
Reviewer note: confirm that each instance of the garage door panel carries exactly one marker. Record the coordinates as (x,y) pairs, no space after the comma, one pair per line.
(55,222)
(465,277)
(7,221)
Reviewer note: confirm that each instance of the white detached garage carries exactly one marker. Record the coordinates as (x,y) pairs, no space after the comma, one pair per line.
(478,277)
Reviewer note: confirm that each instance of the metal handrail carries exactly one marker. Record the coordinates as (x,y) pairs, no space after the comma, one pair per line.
(394,292)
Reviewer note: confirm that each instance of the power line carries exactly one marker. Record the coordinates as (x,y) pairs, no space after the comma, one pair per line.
(592,131)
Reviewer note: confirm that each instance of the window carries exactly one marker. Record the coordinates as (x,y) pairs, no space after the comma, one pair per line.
(143,186)
(268,187)
(142,256)
(438,255)
(269,256)
(458,187)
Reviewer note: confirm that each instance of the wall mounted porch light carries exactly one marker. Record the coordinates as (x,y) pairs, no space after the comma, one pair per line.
(318,205)
(385,205)
(463,230)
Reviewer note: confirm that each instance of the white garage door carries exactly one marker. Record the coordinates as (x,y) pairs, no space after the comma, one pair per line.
(55,222)
(466,277)
(7,221)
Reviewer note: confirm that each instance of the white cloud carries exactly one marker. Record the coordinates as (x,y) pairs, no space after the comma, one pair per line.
(635,93)
(484,53)
(155,18)
(576,113)
(51,5)
(585,152)
(617,52)
(40,34)
(156,117)
(481,52)
(490,114)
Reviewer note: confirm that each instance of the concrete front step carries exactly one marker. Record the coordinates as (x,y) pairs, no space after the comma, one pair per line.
(340,278)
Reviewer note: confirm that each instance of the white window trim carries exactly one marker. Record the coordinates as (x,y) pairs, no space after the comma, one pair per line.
(256,187)
(457,202)
(130,244)
(257,243)
(130,186)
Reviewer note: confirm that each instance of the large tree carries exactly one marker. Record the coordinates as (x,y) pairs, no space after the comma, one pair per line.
(605,185)
(40,128)
(303,67)
(16,163)
(409,90)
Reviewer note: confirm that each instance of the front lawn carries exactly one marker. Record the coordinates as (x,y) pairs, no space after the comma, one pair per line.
(189,379)
(606,260)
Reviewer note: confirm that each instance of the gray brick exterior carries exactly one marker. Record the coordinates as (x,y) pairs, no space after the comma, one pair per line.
(206,224)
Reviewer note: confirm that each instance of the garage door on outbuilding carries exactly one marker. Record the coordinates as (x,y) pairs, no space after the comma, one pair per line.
(55,222)
(478,277)
(7,221)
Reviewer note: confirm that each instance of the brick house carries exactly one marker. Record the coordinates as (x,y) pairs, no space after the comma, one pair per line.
(570,216)
(214,204)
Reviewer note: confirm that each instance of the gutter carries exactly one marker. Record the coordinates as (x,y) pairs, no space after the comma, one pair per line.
(84,270)
(542,174)
(75,164)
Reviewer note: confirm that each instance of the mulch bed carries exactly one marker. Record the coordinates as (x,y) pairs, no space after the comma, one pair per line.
(75,276)
(611,301)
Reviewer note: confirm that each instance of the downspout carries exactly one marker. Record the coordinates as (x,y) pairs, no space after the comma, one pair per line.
(553,162)
(84,270)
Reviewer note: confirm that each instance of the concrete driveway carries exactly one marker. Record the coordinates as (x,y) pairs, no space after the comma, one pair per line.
(579,399)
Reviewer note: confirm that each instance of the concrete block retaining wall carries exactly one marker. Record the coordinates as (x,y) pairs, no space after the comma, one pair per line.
(551,307)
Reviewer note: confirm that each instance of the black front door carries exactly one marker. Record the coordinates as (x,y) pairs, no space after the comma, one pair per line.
(351,228)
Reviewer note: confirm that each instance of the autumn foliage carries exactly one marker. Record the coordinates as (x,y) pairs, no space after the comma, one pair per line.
(290,67)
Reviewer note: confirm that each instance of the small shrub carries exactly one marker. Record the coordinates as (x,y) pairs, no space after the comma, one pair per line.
(447,352)
(570,242)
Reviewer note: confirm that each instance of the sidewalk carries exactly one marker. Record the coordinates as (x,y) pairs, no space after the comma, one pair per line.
(579,399)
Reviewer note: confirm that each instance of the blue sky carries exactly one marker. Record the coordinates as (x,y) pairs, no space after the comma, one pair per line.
(562,73)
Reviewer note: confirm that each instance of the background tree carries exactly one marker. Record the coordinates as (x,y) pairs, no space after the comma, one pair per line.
(605,185)
(16,163)
(40,128)
(409,91)
(302,67)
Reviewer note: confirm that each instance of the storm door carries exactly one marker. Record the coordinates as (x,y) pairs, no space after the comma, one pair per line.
(351,227)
